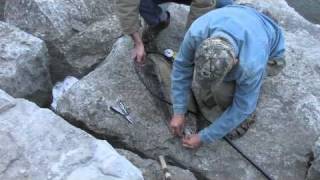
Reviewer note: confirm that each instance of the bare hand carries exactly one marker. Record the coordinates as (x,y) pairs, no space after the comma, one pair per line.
(177,125)
(138,53)
(191,141)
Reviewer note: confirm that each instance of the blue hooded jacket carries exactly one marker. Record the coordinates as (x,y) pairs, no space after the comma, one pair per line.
(255,37)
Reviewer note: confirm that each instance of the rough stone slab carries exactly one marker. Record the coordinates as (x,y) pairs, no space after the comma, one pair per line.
(24,65)
(151,169)
(39,145)
(89,47)
(88,100)
(75,44)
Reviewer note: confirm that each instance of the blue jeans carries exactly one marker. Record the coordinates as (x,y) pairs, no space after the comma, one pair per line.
(151,12)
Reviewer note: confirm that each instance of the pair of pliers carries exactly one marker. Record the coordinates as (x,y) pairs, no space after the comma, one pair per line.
(121,109)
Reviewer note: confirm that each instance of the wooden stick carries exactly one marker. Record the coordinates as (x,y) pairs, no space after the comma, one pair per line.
(167,175)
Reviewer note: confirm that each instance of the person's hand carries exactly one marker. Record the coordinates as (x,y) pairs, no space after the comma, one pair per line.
(191,141)
(138,53)
(177,125)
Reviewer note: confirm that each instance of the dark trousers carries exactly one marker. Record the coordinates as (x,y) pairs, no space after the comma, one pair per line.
(151,12)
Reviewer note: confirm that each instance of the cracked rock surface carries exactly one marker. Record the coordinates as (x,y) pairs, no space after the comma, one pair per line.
(39,145)
(24,65)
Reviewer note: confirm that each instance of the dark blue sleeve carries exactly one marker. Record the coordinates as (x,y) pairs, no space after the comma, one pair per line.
(222,3)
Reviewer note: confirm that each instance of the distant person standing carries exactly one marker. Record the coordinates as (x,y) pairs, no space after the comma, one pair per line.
(156,18)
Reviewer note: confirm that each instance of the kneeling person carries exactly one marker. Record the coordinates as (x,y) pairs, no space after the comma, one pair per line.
(226,48)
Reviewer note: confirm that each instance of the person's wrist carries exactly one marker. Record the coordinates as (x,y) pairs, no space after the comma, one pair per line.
(138,43)
(137,39)
(204,138)
(182,116)
(179,110)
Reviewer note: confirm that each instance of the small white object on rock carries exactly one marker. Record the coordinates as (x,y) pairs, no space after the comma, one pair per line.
(61,88)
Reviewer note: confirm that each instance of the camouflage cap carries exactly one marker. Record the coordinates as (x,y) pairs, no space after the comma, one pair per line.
(213,60)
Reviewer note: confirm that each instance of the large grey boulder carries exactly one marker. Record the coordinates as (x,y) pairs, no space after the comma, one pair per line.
(86,49)
(152,170)
(24,65)
(314,170)
(86,104)
(76,41)
(39,145)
